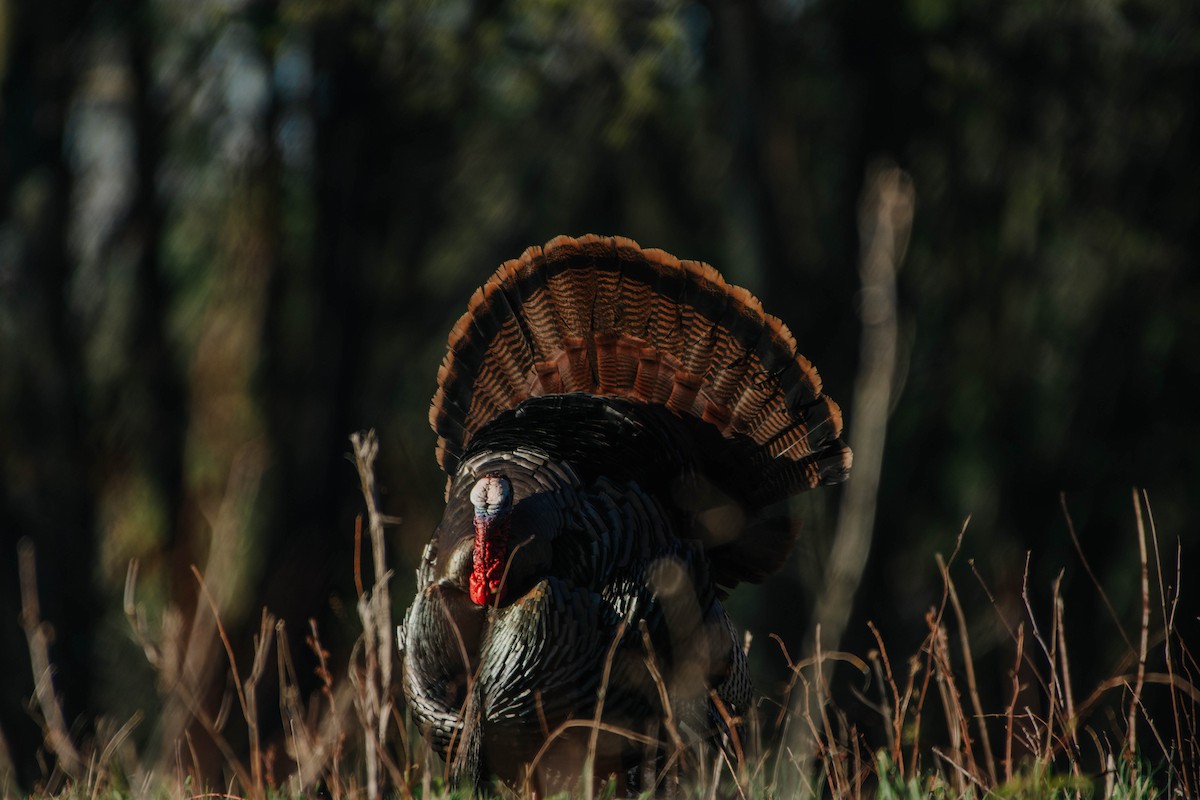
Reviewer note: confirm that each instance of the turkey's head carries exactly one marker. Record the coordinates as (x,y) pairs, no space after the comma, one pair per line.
(491,498)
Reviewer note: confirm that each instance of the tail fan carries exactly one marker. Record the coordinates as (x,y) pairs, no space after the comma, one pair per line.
(602,315)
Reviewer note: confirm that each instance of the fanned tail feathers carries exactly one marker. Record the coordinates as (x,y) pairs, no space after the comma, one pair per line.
(604,316)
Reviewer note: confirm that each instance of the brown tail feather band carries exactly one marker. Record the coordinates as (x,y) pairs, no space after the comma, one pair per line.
(602,315)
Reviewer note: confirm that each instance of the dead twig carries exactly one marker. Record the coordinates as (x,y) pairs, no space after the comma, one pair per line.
(1052,688)
(601,695)
(969,667)
(39,635)
(1012,705)
(375,610)
(181,690)
(897,720)
(1135,701)
(1168,630)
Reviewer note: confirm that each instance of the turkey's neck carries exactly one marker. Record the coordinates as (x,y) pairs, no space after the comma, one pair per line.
(491,555)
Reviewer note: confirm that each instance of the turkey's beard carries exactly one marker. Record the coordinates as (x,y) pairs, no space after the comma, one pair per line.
(491,555)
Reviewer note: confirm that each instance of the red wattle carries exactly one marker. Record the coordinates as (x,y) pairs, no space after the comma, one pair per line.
(478,592)
(491,553)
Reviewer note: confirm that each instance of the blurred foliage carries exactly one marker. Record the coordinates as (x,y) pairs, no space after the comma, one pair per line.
(231,232)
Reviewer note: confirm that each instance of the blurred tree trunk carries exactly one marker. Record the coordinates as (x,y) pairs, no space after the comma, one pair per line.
(225,451)
(136,394)
(312,337)
(44,450)
(153,374)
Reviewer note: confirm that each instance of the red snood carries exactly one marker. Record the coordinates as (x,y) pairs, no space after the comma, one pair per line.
(491,555)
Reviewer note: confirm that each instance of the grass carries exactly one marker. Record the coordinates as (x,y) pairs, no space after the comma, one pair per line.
(929,733)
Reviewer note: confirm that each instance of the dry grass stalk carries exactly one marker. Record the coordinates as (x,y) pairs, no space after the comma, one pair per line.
(926,672)
(956,719)
(259,764)
(678,747)
(1071,723)
(1012,705)
(189,655)
(960,772)
(914,669)
(162,652)
(454,755)
(1057,682)
(588,784)
(330,741)
(1048,742)
(301,745)
(664,695)
(1012,634)
(894,714)
(1187,780)
(820,692)
(246,691)
(375,611)
(1191,724)
(1135,701)
(932,669)
(736,772)
(731,725)
(99,769)
(315,737)
(968,663)
(39,634)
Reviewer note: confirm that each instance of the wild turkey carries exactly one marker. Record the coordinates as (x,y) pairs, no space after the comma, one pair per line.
(615,424)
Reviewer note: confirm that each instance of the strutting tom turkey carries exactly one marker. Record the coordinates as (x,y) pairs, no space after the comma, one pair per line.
(616,426)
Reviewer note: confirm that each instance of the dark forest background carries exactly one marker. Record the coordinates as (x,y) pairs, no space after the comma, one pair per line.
(233,232)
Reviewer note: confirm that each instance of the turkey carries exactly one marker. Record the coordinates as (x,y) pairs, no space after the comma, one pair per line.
(618,428)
